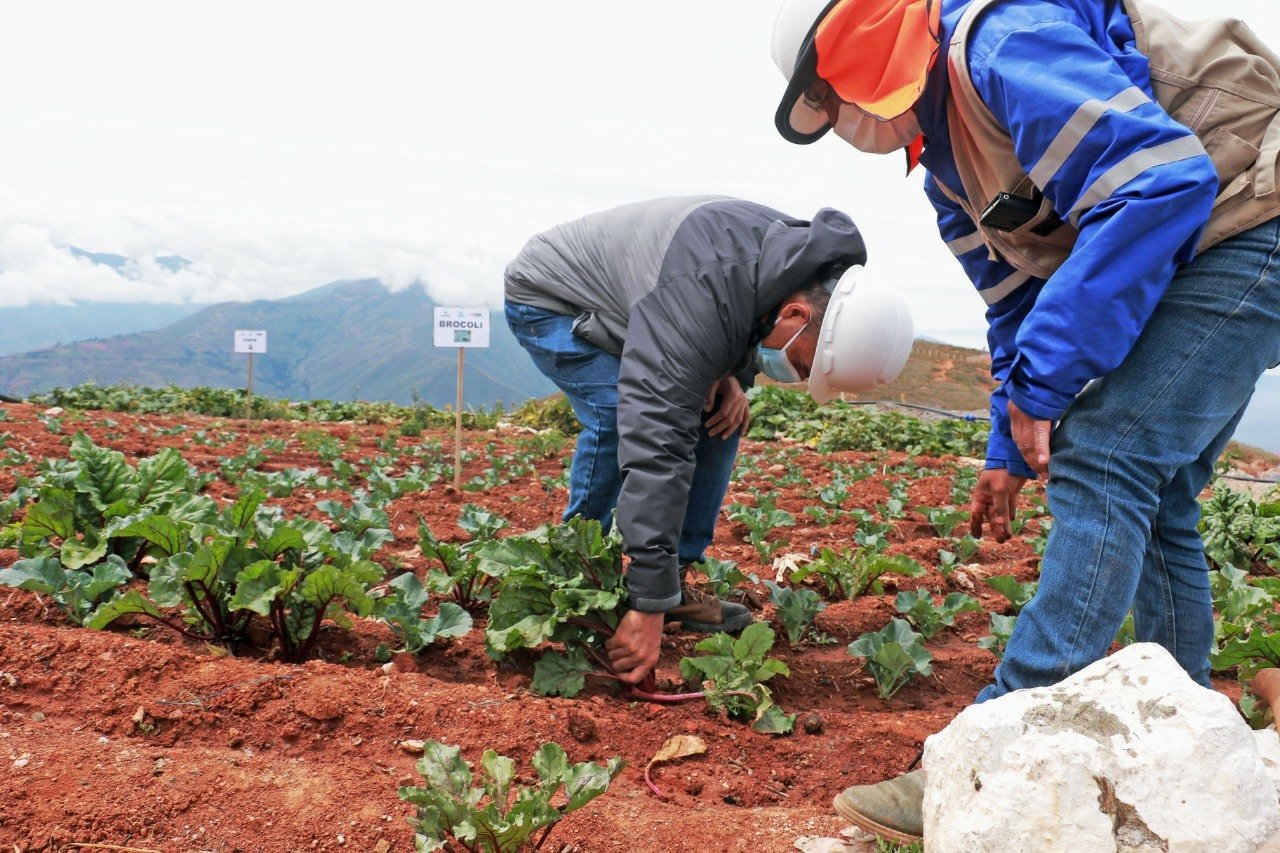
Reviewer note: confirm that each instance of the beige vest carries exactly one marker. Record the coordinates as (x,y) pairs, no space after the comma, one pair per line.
(1216,77)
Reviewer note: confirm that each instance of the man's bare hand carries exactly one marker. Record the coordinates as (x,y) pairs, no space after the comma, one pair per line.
(1032,438)
(634,647)
(734,412)
(995,503)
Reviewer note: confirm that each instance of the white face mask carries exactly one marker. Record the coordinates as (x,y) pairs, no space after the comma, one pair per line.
(873,136)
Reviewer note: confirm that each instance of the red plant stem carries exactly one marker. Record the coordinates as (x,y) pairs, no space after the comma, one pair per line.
(665,698)
(652,787)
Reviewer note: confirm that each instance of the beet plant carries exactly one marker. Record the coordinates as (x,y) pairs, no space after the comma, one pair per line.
(460,577)
(733,673)
(498,815)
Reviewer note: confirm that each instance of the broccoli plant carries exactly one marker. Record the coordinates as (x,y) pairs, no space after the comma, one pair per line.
(964,547)
(1017,594)
(724,577)
(460,577)
(1001,630)
(917,608)
(894,655)
(733,673)
(848,574)
(943,520)
(870,534)
(761,521)
(498,815)
(797,609)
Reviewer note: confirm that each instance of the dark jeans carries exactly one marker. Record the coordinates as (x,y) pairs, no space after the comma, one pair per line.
(588,376)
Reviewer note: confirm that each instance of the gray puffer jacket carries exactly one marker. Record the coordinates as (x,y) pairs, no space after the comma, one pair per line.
(679,288)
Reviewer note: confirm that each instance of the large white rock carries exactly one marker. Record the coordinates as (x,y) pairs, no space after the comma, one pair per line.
(1128,754)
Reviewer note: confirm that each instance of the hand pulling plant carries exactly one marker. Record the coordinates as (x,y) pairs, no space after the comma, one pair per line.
(498,816)
(563,584)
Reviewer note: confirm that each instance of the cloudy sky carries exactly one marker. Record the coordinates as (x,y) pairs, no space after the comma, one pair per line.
(283,145)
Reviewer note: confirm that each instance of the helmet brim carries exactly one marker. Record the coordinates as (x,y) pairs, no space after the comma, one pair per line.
(796,120)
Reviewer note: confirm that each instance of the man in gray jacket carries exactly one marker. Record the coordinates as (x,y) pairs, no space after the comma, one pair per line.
(648,317)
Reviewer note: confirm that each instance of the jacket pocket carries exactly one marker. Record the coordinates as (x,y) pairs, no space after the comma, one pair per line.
(1231,155)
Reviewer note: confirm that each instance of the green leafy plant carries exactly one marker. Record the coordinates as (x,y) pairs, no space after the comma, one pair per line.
(796,609)
(460,576)
(761,521)
(848,574)
(964,547)
(918,608)
(733,673)
(558,584)
(894,655)
(76,593)
(403,612)
(943,520)
(1239,532)
(498,815)
(724,577)
(1017,594)
(1001,630)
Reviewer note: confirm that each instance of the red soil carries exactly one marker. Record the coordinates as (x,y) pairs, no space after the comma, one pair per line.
(142,739)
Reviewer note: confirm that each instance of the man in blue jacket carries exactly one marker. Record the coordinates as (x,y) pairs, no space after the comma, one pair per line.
(1106,175)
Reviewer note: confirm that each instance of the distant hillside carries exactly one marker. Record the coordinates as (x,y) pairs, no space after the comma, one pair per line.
(346,340)
(39,326)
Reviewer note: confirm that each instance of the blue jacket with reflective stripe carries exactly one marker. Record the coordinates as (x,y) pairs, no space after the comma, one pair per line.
(1035,63)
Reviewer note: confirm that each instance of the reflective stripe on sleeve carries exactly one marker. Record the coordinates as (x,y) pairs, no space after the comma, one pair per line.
(992,295)
(1074,131)
(1131,167)
(965,244)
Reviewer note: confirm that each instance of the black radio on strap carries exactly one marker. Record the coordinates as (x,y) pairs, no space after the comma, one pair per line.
(1009,212)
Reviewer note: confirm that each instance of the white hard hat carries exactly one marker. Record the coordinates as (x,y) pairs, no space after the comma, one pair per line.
(865,339)
(796,56)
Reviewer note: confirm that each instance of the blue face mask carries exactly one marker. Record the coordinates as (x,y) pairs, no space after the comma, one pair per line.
(776,365)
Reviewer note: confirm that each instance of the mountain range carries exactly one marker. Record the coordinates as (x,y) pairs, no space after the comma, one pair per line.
(346,340)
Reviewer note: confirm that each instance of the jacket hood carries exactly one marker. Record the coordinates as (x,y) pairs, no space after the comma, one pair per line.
(794,251)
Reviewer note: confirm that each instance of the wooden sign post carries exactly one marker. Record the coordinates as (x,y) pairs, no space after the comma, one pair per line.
(250,342)
(461,328)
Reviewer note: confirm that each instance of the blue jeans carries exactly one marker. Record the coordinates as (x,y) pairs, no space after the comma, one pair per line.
(588,376)
(1128,461)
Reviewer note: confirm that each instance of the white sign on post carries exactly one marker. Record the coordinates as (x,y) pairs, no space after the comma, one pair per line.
(462,327)
(251,341)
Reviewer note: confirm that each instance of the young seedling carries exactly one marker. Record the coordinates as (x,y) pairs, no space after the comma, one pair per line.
(733,673)
(917,608)
(460,576)
(943,520)
(761,521)
(1017,594)
(894,655)
(797,609)
(498,815)
(964,547)
(1001,630)
(724,577)
(848,574)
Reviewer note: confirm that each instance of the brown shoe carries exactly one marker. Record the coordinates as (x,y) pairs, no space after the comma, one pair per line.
(893,809)
(704,613)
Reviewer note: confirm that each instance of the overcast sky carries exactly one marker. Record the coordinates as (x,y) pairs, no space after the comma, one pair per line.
(282,145)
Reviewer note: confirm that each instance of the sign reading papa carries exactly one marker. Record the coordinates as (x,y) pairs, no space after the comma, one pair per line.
(461,327)
(251,341)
